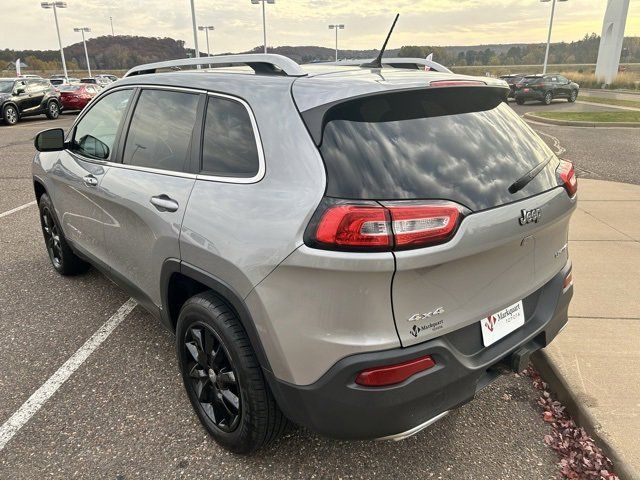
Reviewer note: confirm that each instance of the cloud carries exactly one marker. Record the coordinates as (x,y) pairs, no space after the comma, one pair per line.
(304,22)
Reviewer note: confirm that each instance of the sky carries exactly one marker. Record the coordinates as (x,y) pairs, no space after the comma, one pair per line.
(238,23)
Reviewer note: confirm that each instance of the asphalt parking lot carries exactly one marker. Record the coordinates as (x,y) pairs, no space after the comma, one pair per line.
(123,413)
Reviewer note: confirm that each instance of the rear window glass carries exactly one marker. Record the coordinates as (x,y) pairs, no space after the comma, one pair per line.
(464,145)
(68,88)
(532,80)
(229,148)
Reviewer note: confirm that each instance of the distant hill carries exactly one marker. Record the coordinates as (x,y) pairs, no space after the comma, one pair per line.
(123,51)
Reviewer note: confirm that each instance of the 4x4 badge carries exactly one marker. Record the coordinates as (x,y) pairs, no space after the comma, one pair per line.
(530,216)
(422,316)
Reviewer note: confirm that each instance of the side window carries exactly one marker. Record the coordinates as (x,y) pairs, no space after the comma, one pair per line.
(562,80)
(229,147)
(554,79)
(20,85)
(33,86)
(161,130)
(95,134)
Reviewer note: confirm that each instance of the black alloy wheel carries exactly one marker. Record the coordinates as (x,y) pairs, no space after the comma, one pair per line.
(212,377)
(52,238)
(547,98)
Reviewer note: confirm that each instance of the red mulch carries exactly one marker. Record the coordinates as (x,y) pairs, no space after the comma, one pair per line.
(580,457)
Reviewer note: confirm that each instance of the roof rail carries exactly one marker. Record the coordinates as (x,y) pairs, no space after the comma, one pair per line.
(400,62)
(263,63)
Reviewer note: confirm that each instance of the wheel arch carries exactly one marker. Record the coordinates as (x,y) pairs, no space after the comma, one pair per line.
(38,188)
(10,104)
(180,281)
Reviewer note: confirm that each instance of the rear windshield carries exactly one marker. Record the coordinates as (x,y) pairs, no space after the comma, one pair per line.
(68,88)
(464,145)
(532,80)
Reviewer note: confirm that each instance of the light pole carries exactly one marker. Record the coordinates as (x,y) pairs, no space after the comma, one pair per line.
(546,54)
(206,29)
(111,20)
(86,54)
(264,19)
(55,6)
(195,30)
(336,27)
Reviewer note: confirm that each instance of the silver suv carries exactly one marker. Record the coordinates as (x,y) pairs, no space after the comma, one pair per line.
(358,250)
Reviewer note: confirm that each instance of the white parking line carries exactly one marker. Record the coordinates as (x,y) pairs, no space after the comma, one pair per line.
(17,209)
(559,149)
(48,388)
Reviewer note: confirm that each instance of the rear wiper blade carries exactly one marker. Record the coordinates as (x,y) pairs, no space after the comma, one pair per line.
(524,180)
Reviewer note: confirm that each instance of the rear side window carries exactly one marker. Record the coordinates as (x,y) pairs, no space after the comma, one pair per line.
(229,147)
(464,145)
(161,130)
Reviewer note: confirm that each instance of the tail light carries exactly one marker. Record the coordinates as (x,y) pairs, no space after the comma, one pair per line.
(393,374)
(371,226)
(354,226)
(568,177)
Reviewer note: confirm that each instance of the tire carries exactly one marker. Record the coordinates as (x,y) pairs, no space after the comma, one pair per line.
(223,378)
(10,115)
(548,97)
(573,96)
(53,110)
(520,101)
(64,261)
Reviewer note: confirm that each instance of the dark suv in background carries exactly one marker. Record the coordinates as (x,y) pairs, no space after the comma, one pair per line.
(544,88)
(22,97)
(512,79)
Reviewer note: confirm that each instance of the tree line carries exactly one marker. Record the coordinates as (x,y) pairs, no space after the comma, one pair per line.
(578,52)
(123,52)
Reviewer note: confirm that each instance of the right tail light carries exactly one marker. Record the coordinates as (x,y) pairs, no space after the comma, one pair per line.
(568,176)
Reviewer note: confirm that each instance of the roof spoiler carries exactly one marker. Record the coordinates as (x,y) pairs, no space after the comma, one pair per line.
(261,63)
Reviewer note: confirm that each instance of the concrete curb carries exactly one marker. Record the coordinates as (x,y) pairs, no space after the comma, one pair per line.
(580,414)
(573,123)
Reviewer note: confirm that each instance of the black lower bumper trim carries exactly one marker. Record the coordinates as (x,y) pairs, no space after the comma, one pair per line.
(335,406)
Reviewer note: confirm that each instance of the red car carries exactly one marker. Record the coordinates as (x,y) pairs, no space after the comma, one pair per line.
(76,97)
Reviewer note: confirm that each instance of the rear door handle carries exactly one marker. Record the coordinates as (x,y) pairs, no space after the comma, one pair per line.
(164,203)
(90,181)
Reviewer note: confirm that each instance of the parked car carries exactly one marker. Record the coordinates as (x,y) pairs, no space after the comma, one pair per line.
(512,79)
(545,88)
(23,97)
(77,96)
(106,76)
(356,256)
(101,82)
(56,82)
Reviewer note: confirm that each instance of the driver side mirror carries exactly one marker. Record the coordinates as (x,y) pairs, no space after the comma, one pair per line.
(20,90)
(50,140)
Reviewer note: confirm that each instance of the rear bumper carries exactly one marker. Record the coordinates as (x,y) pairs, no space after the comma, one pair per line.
(335,406)
(531,95)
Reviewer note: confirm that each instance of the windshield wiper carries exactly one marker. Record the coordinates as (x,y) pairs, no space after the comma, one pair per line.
(524,180)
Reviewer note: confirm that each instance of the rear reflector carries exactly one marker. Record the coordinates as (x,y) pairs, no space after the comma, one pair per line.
(568,280)
(394,225)
(568,177)
(392,374)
